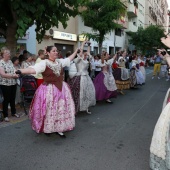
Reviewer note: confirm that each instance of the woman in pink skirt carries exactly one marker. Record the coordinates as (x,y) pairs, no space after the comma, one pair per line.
(52,109)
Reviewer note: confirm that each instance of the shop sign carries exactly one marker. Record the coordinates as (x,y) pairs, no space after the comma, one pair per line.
(64,36)
(82,37)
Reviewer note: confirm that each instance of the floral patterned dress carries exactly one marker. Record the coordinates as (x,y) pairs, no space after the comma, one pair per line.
(52,109)
(82,87)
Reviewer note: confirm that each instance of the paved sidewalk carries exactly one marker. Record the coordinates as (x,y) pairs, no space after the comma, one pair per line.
(14,120)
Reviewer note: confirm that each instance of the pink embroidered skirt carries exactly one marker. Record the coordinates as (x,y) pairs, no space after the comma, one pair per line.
(52,110)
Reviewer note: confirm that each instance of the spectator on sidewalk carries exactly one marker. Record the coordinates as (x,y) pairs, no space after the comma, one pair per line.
(17,66)
(27,62)
(39,77)
(157,65)
(8,84)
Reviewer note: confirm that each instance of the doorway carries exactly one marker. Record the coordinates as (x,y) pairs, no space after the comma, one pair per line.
(64,48)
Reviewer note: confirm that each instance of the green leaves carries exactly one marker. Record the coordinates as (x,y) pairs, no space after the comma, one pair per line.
(100,16)
(147,39)
(46,14)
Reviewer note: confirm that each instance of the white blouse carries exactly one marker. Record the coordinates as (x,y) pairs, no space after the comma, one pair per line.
(107,63)
(55,66)
(134,62)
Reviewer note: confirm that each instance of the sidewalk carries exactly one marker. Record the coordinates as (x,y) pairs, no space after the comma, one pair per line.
(14,120)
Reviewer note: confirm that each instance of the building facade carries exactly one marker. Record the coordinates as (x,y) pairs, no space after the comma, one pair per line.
(140,13)
(136,19)
(156,13)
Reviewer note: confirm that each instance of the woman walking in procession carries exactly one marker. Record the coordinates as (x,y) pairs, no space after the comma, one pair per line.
(104,82)
(52,109)
(81,85)
(160,144)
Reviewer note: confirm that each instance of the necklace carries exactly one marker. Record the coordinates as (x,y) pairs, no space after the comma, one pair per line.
(51,60)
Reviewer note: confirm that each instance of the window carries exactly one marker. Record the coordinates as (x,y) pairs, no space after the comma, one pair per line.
(118,32)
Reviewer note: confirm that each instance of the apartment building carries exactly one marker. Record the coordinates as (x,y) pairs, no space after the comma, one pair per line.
(65,39)
(136,19)
(70,38)
(140,13)
(156,13)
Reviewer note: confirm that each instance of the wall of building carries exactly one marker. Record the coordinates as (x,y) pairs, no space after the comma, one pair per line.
(61,44)
(110,41)
(156,13)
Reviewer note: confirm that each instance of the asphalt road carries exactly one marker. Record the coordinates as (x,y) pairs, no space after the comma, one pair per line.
(115,137)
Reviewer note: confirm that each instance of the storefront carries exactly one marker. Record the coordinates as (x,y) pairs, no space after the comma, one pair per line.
(62,40)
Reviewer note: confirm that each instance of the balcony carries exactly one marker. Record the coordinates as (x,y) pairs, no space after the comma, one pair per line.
(132,27)
(132,11)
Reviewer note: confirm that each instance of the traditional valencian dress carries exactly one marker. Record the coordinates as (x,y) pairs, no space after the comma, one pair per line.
(52,109)
(142,68)
(121,75)
(136,76)
(105,83)
(81,85)
(160,144)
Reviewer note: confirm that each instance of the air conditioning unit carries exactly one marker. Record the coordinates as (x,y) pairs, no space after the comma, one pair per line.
(51,32)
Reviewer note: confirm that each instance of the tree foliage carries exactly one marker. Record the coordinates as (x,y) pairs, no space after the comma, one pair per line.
(101,15)
(16,16)
(147,40)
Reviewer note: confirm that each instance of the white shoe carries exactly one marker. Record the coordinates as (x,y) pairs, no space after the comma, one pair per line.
(88,111)
(6,119)
(159,78)
(167,79)
(153,77)
(16,115)
(60,133)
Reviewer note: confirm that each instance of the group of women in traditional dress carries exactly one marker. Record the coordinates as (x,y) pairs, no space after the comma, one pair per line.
(56,103)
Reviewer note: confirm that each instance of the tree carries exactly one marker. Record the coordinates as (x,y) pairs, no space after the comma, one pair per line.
(16,16)
(147,40)
(101,16)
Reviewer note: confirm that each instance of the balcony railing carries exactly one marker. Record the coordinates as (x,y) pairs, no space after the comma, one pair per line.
(132,11)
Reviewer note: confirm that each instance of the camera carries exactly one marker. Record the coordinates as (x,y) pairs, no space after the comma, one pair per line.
(18,72)
(163,53)
(78,51)
(88,43)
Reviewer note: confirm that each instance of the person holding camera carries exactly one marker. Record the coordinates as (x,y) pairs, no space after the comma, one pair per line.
(81,85)
(157,64)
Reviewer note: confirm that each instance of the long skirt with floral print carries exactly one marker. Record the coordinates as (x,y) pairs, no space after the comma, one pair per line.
(52,110)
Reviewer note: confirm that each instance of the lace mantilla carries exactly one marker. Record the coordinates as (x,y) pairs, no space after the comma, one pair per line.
(55,66)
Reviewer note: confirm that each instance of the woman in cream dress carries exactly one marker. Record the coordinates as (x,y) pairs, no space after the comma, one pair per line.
(160,144)
(81,85)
